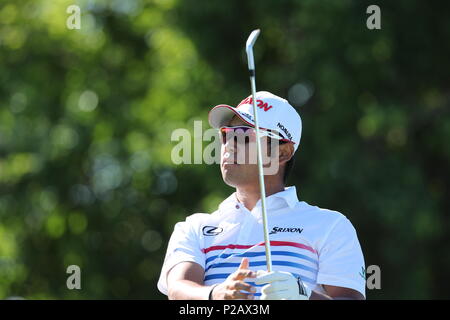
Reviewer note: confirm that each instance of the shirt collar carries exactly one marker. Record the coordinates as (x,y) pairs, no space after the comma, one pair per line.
(289,195)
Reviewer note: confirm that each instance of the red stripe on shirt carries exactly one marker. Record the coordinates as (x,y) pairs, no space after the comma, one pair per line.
(272,243)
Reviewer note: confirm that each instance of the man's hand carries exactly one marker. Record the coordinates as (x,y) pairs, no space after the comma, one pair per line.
(232,286)
(281,286)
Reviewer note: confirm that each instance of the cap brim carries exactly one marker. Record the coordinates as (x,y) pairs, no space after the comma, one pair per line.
(221,114)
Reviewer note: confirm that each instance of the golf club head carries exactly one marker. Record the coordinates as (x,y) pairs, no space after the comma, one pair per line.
(249,48)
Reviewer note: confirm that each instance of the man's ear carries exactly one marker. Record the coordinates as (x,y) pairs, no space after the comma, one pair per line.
(286,152)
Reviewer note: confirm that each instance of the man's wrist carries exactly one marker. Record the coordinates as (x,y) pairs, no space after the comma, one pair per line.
(303,289)
(210,295)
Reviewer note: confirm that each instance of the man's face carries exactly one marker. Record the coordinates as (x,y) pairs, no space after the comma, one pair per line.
(238,159)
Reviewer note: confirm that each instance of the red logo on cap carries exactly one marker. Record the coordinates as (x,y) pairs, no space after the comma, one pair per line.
(259,103)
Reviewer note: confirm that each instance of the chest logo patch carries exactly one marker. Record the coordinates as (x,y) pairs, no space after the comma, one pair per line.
(278,229)
(211,231)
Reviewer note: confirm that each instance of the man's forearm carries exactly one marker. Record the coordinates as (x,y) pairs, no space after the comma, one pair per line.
(188,290)
(321,296)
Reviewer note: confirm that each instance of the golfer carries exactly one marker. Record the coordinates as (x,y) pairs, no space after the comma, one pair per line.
(315,252)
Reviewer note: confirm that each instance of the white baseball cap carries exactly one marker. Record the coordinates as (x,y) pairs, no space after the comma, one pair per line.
(274,113)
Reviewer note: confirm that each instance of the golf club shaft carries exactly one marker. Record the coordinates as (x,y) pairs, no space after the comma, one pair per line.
(261,179)
(251,67)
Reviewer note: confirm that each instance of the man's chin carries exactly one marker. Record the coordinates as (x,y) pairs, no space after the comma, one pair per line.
(231,175)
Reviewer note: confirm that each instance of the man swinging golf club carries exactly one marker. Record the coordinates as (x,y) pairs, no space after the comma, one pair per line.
(309,253)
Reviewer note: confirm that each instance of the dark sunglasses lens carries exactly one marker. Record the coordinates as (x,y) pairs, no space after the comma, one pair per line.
(234,132)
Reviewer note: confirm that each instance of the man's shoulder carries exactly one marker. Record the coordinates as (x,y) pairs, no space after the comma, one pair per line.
(199,218)
(316,212)
(324,222)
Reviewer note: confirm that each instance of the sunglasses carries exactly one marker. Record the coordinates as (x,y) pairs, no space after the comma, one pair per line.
(245,134)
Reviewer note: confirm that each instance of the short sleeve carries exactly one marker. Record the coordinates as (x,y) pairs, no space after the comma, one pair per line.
(184,246)
(341,261)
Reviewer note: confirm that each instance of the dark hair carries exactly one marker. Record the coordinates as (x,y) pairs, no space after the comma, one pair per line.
(289,164)
(288,169)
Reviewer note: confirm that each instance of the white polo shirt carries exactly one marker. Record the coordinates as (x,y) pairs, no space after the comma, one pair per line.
(318,245)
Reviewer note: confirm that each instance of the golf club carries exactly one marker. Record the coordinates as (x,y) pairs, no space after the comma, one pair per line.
(251,67)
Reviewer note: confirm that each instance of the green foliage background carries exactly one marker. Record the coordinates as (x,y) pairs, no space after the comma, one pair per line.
(86,118)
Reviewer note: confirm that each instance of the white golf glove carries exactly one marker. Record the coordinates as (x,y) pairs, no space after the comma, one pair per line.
(281,286)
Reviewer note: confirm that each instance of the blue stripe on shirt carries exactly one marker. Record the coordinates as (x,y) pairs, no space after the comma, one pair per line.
(259,254)
(263,263)
(225,275)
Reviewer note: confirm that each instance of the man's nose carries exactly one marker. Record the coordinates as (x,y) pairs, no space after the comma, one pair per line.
(231,145)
